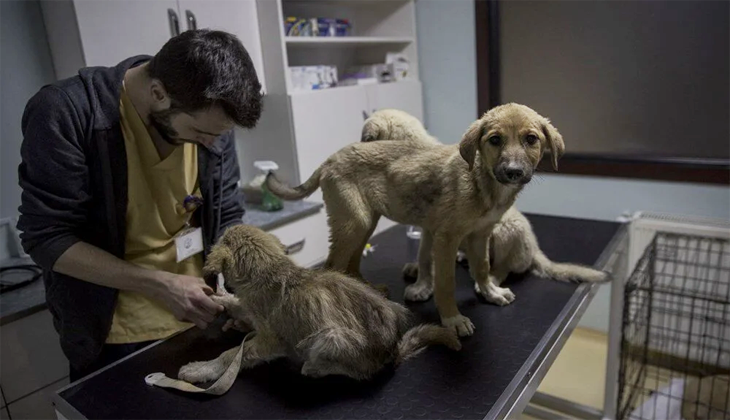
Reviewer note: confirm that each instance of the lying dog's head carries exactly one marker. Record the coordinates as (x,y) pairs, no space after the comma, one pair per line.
(393,124)
(510,141)
(244,253)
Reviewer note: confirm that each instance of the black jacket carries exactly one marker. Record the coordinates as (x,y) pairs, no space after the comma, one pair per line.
(73,176)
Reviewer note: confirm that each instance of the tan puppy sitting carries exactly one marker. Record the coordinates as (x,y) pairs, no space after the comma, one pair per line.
(328,322)
(454,192)
(513,244)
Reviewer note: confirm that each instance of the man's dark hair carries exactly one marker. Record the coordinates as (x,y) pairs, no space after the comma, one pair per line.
(202,68)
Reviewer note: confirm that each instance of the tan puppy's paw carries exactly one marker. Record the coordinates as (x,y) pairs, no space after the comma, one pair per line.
(419,292)
(459,323)
(197,372)
(410,270)
(501,296)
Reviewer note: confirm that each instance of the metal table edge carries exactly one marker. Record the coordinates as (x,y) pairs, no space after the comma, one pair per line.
(69,411)
(525,383)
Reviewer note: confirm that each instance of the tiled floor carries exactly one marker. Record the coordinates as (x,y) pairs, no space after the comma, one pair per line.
(579,371)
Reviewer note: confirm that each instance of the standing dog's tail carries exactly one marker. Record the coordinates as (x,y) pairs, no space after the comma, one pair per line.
(286,192)
(415,340)
(543,267)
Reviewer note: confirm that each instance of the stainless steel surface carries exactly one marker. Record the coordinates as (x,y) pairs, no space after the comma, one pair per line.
(620,271)
(564,406)
(541,413)
(517,395)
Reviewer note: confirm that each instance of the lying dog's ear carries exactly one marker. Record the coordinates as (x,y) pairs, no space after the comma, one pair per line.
(470,142)
(220,260)
(555,141)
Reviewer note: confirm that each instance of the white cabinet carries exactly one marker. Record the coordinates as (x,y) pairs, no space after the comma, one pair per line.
(405,96)
(111,31)
(85,33)
(325,122)
(33,366)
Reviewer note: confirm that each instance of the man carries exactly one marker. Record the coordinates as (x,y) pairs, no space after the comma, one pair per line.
(129,175)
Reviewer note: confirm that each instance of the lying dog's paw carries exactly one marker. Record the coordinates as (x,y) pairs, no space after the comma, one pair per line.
(197,372)
(418,292)
(228,301)
(410,270)
(501,296)
(459,323)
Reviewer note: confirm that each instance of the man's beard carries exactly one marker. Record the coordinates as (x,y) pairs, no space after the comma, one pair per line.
(160,120)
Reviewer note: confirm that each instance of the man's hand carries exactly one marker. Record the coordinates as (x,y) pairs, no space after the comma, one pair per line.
(188,298)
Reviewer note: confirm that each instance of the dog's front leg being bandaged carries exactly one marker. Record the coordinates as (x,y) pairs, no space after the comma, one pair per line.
(223,369)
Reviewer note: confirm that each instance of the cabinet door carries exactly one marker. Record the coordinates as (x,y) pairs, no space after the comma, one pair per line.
(405,96)
(238,17)
(324,122)
(112,31)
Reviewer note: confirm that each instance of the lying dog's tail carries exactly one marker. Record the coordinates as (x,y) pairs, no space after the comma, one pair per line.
(543,267)
(286,192)
(415,340)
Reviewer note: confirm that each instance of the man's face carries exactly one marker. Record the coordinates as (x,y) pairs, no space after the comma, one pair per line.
(201,127)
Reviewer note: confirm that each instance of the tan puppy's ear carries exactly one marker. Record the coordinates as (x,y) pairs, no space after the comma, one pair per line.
(367,132)
(470,143)
(555,141)
(220,260)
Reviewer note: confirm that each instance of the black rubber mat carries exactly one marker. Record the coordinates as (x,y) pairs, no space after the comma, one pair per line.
(437,384)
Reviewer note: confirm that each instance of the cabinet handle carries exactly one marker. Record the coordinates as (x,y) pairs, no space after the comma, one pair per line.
(295,247)
(192,24)
(174,22)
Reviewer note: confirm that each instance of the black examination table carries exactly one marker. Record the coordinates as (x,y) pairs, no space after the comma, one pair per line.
(493,376)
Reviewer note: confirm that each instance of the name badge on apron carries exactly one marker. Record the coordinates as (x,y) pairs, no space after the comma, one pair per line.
(188,243)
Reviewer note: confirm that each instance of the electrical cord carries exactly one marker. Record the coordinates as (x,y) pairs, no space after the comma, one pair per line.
(7,287)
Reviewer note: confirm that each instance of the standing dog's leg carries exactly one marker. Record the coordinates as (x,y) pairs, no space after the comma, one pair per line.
(349,220)
(422,289)
(444,250)
(479,268)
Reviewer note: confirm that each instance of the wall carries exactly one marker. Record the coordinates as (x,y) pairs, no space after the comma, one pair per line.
(25,66)
(450,104)
(446,43)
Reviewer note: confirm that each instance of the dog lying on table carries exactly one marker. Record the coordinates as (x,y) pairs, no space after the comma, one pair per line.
(455,193)
(513,246)
(332,324)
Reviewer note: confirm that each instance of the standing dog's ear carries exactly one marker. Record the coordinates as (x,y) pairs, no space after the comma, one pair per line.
(555,141)
(470,142)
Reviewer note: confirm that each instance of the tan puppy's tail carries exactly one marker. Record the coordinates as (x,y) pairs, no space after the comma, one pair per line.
(286,192)
(543,267)
(415,340)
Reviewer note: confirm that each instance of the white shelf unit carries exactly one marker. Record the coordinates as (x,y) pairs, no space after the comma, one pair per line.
(299,130)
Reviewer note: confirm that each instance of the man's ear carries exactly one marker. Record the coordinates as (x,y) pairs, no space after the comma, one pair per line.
(555,141)
(160,100)
(470,142)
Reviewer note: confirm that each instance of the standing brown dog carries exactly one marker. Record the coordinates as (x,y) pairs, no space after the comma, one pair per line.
(452,192)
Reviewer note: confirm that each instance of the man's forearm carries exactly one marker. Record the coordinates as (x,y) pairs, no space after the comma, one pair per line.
(89,263)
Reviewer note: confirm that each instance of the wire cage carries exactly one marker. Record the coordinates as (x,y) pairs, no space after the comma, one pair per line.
(675,348)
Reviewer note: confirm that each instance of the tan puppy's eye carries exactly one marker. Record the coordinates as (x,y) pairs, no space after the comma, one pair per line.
(531,139)
(495,140)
